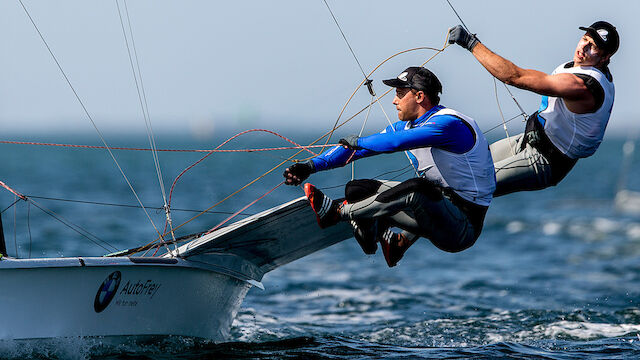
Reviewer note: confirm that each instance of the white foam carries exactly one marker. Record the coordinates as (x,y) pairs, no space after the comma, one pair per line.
(633,231)
(585,330)
(551,228)
(606,226)
(514,227)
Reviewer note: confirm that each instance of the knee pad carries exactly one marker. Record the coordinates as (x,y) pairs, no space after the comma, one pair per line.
(419,185)
(357,190)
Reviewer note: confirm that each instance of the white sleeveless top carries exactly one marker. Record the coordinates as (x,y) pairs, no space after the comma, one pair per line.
(471,174)
(577,135)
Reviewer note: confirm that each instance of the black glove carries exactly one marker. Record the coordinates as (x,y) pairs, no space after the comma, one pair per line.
(462,37)
(298,172)
(350,142)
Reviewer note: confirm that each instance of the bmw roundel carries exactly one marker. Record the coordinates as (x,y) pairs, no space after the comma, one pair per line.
(107,291)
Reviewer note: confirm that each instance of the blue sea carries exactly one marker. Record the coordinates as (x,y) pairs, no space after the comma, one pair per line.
(554,275)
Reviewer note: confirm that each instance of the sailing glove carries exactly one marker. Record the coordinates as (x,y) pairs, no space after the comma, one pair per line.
(350,142)
(298,172)
(462,37)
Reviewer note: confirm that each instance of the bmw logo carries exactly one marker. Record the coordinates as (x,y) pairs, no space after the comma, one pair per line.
(107,291)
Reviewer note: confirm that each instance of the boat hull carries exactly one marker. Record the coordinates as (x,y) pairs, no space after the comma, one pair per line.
(50,298)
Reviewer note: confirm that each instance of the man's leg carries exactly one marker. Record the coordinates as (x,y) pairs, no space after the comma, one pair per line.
(365,231)
(527,169)
(418,207)
(505,148)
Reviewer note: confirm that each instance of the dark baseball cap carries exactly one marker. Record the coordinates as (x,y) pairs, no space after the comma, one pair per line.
(605,36)
(418,78)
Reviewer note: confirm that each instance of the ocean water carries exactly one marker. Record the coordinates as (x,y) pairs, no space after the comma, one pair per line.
(555,274)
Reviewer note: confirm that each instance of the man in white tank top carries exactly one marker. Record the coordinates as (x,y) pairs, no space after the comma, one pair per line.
(577,99)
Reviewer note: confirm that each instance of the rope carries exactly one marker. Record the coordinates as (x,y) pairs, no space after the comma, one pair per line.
(216,150)
(14,192)
(504,123)
(335,127)
(297,146)
(459,18)
(243,209)
(119,205)
(142,97)
(84,108)
(9,207)
(346,41)
(522,112)
(96,240)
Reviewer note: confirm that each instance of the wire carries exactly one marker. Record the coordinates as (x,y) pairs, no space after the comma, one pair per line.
(29,227)
(459,18)
(126,205)
(84,108)
(345,40)
(8,207)
(142,97)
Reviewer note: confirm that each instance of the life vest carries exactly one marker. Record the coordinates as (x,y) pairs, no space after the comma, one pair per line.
(577,135)
(471,174)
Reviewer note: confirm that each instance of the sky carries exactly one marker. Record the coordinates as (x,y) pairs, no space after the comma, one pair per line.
(283,65)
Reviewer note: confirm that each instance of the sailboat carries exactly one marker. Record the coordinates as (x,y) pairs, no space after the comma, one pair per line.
(130,296)
(209,275)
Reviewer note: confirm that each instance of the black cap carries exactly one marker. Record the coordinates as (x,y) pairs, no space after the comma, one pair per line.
(605,36)
(418,78)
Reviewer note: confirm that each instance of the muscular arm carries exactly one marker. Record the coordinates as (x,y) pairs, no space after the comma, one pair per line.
(569,87)
(445,131)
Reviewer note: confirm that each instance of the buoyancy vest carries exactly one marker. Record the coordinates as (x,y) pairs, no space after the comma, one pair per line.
(577,135)
(470,175)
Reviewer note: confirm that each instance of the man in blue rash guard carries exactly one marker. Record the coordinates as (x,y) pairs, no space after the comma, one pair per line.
(445,204)
(577,99)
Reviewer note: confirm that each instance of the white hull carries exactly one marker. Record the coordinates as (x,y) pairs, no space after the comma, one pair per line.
(196,295)
(50,298)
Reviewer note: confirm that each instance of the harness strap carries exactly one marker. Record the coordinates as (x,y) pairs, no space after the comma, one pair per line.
(535,136)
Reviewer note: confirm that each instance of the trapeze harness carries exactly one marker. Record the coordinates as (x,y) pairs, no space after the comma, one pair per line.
(562,136)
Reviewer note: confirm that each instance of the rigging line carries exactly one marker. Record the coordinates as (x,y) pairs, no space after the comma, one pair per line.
(137,76)
(87,113)
(20,196)
(404,170)
(143,103)
(124,205)
(346,41)
(367,81)
(15,220)
(522,112)
(29,227)
(504,123)
(150,134)
(364,123)
(459,18)
(243,208)
(78,229)
(8,207)
(302,148)
(344,107)
(306,148)
(336,126)
(497,126)
(406,152)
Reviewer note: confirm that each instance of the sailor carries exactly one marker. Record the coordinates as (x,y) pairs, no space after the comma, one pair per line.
(446,204)
(577,99)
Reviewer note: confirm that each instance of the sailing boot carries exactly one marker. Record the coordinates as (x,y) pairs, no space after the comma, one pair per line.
(365,236)
(393,246)
(327,210)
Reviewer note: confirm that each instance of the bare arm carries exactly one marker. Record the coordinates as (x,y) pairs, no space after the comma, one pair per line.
(569,87)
